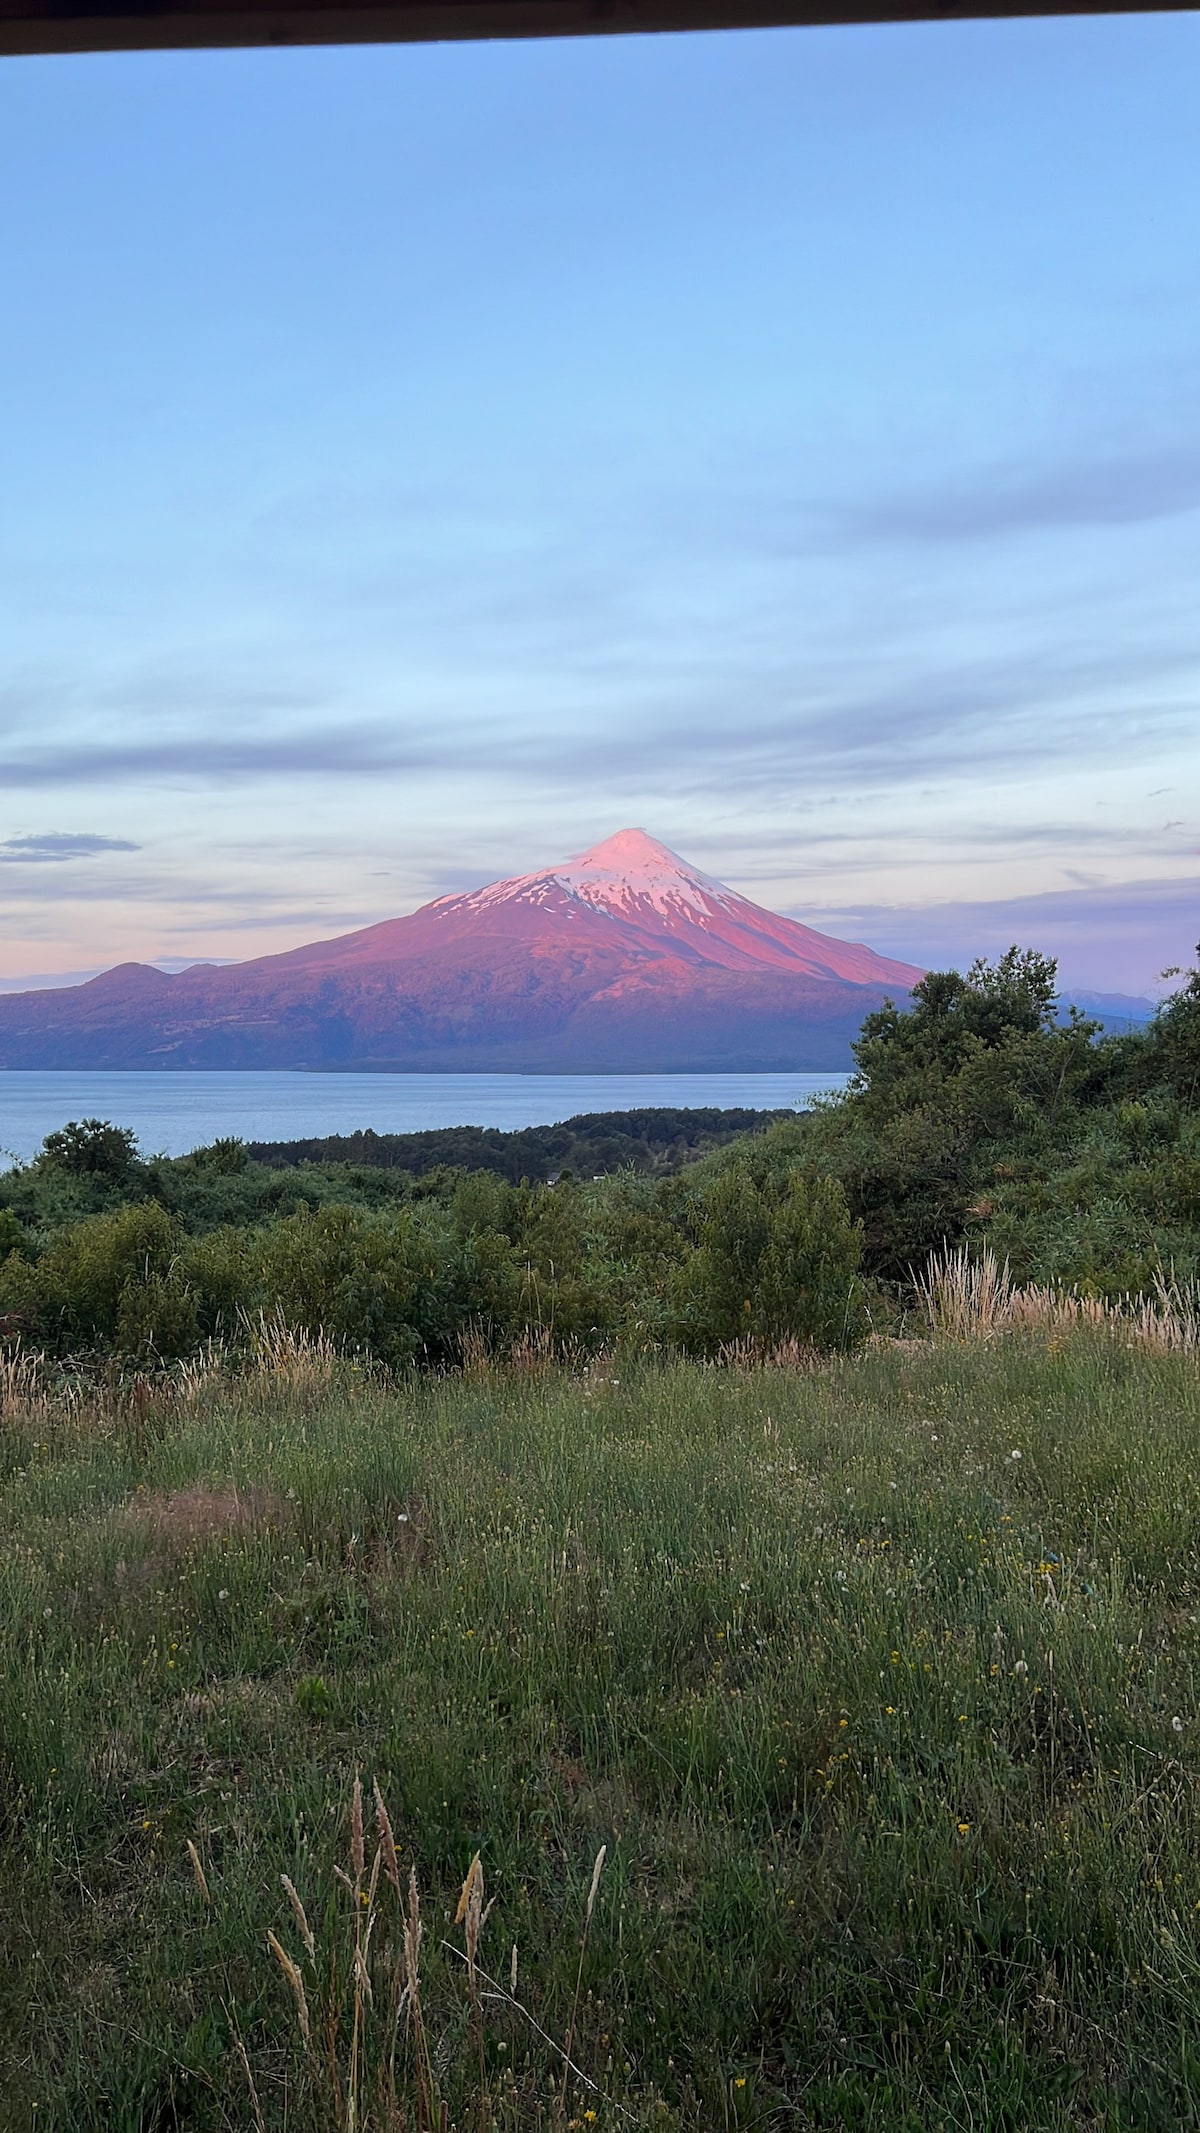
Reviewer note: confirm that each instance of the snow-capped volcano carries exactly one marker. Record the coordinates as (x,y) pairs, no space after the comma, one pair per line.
(624,957)
(645,886)
(627,873)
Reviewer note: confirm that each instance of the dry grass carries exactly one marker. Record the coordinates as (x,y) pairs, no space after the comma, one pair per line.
(289,1355)
(975,1298)
(29,1393)
(535,1351)
(792,1355)
(364,2057)
(203,1375)
(355,1992)
(35,1390)
(180,1519)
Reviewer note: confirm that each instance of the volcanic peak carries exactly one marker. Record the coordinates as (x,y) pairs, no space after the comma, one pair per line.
(625,873)
(623,958)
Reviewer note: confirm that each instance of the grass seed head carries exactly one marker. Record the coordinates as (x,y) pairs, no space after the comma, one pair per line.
(469,1914)
(387,1840)
(471,1893)
(358,1855)
(296,1982)
(198,1871)
(597,1870)
(413,1932)
(299,1914)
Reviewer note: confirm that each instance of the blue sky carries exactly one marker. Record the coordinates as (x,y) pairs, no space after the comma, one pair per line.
(416,464)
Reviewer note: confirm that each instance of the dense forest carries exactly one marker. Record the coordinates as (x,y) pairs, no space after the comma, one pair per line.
(977,1115)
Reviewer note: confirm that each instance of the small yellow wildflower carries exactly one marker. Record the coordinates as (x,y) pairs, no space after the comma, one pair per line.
(964,1829)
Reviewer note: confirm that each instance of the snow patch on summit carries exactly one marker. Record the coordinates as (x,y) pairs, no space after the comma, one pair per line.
(624,874)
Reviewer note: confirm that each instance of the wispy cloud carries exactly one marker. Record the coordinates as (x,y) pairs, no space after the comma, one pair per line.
(48,847)
(1088,488)
(816,731)
(209,758)
(757,727)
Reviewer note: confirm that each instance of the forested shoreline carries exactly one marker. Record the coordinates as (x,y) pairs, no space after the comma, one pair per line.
(976,1117)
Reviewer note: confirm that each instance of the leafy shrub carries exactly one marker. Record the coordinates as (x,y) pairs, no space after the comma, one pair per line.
(111,1281)
(370,1282)
(777,1259)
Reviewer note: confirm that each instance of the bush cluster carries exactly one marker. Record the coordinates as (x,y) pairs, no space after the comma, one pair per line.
(150,1260)
(976,1115)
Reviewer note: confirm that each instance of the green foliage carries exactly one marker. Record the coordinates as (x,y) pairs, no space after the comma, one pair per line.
(891,1739)
(91,1148)
(403,1268)
(229,1157)
(777,1259)
(384,1285)
(977,1114)
(110,1281)
(1170,1058)
(656,1139)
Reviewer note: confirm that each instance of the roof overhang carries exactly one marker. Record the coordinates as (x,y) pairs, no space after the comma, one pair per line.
(141,25)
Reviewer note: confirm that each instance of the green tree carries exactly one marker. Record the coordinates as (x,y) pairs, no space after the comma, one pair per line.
(1170,1054)
(978,1073)
(91,1148)
(385,1284)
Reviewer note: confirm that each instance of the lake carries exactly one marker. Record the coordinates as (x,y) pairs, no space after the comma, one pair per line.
(172,1113)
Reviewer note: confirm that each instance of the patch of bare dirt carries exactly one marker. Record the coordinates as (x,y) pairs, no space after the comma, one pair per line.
(187,1518)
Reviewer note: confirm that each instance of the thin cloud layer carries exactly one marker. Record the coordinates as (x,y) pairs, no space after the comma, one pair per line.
(51,846)
(205,758)
(776,453)
(1144,926)
(1101,490)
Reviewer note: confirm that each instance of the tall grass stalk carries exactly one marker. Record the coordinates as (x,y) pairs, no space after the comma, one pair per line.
(970,1295)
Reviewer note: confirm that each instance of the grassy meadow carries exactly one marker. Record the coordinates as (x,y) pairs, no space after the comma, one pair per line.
(874,1679)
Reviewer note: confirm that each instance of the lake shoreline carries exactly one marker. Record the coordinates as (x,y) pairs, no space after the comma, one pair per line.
(173,1111)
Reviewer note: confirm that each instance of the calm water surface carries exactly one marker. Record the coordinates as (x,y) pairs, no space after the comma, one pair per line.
(171,1113)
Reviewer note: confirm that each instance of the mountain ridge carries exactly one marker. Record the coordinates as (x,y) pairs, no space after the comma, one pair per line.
(622,958)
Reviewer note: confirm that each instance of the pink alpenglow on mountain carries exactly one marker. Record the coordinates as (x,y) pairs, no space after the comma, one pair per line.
(624,959)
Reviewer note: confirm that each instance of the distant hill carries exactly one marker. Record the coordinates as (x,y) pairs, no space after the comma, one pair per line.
(625,959)
(1117,1010)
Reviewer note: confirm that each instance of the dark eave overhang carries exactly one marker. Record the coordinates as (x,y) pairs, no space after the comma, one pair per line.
(102,26)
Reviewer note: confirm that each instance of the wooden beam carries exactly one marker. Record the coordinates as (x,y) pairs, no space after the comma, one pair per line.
(142,25)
